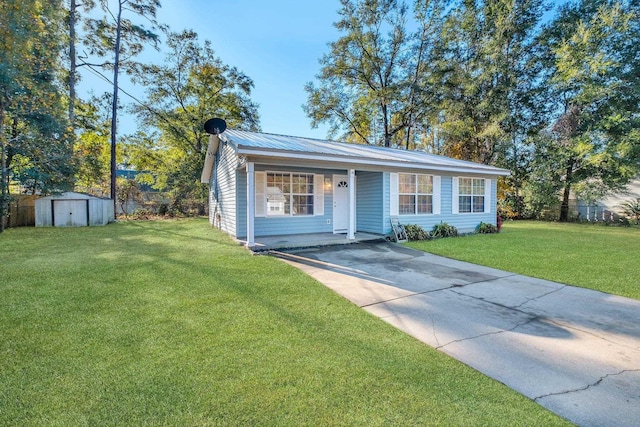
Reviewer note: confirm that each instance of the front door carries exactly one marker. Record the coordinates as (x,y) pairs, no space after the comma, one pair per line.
(340,203)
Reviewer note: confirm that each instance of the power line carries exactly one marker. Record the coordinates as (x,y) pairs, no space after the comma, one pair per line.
(161,116)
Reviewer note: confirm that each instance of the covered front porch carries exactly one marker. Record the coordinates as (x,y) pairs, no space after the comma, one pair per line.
(327,200)
(298,241)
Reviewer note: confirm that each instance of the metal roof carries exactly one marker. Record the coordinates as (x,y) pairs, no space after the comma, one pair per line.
(272,145)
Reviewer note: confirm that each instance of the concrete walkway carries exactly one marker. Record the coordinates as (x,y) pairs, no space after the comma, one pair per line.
(572,350)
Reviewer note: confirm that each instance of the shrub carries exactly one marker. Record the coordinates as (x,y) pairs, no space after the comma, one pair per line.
(415,232)
(444,230)
(142,214)
(631,208)
(485,228)
(163,209)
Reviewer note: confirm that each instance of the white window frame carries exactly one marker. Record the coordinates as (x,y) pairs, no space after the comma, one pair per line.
(262,208)
(486,194)
(394,182)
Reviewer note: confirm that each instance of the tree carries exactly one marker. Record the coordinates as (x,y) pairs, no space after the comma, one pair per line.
(591,51)
(121,37)
(86,5)
(372,84)
(34,144)
(484,69)
(191,85)
(92,146)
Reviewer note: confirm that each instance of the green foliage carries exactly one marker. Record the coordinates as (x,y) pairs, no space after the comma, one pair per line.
(116,36)
(415,232)
(487,97)
(590,52)
(128,192)
(443,230)
(102,33)
(557,104)
(631,208)
(91,149)
(485,228)
(191,86)
(35,146)
(373,84)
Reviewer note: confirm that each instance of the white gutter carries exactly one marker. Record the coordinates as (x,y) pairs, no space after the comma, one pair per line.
(481,169)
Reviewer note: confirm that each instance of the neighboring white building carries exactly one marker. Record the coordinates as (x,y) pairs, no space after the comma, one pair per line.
(608,208)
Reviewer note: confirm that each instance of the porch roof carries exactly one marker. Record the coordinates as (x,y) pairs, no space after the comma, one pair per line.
(299,148)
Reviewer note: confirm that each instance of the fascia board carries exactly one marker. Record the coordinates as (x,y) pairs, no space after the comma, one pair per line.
(367,163)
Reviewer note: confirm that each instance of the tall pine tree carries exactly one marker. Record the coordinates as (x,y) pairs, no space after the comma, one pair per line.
(35,150)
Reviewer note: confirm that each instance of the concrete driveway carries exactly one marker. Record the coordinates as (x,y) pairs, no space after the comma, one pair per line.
(572,350)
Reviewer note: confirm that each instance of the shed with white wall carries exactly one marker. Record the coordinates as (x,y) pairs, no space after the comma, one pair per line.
(73,210)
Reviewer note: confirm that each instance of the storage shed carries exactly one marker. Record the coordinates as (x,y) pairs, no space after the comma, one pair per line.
(73,210)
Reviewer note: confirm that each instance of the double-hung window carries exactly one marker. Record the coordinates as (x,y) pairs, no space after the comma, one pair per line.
(471,195)
(289,194)
(415,194)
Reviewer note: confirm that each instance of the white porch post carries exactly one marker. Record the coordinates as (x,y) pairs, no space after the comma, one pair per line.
(352,205)
(251,203)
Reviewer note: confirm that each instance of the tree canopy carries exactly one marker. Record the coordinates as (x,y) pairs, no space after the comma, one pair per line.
(191,84)
(35,147)
(496,81)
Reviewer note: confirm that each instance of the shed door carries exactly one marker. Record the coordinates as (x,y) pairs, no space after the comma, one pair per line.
(69,213)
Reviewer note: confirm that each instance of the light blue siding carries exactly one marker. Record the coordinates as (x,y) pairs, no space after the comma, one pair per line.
(464,222)
(222,185)
(370,202)
(277,225)
(241,205)
(228,202)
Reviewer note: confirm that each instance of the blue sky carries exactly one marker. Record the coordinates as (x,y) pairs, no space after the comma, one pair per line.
(276,43)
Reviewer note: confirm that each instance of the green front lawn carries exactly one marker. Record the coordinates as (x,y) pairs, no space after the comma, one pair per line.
(586,255)
(171,323)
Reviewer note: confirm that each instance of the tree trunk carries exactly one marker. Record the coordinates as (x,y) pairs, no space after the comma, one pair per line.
(385,122)
(72,66)
(4,188)
(114,108)
(564,208)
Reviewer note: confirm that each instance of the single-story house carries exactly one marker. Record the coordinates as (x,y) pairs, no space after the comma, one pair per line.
(265,185)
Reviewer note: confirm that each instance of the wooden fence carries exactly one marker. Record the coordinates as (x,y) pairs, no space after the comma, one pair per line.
(22,211)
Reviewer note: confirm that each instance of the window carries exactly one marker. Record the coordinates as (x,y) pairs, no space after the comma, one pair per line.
(289,193)
(471,194)
(415,194)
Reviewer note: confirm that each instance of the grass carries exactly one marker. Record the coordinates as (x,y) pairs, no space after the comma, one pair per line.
(586,255)
(171,323)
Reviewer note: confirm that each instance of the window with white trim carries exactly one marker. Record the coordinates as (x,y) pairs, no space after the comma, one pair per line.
(289,194)
(471,195)
(415,194)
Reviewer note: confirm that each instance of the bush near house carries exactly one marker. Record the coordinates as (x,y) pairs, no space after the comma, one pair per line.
(444,230)
(485,228)
(415,232)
